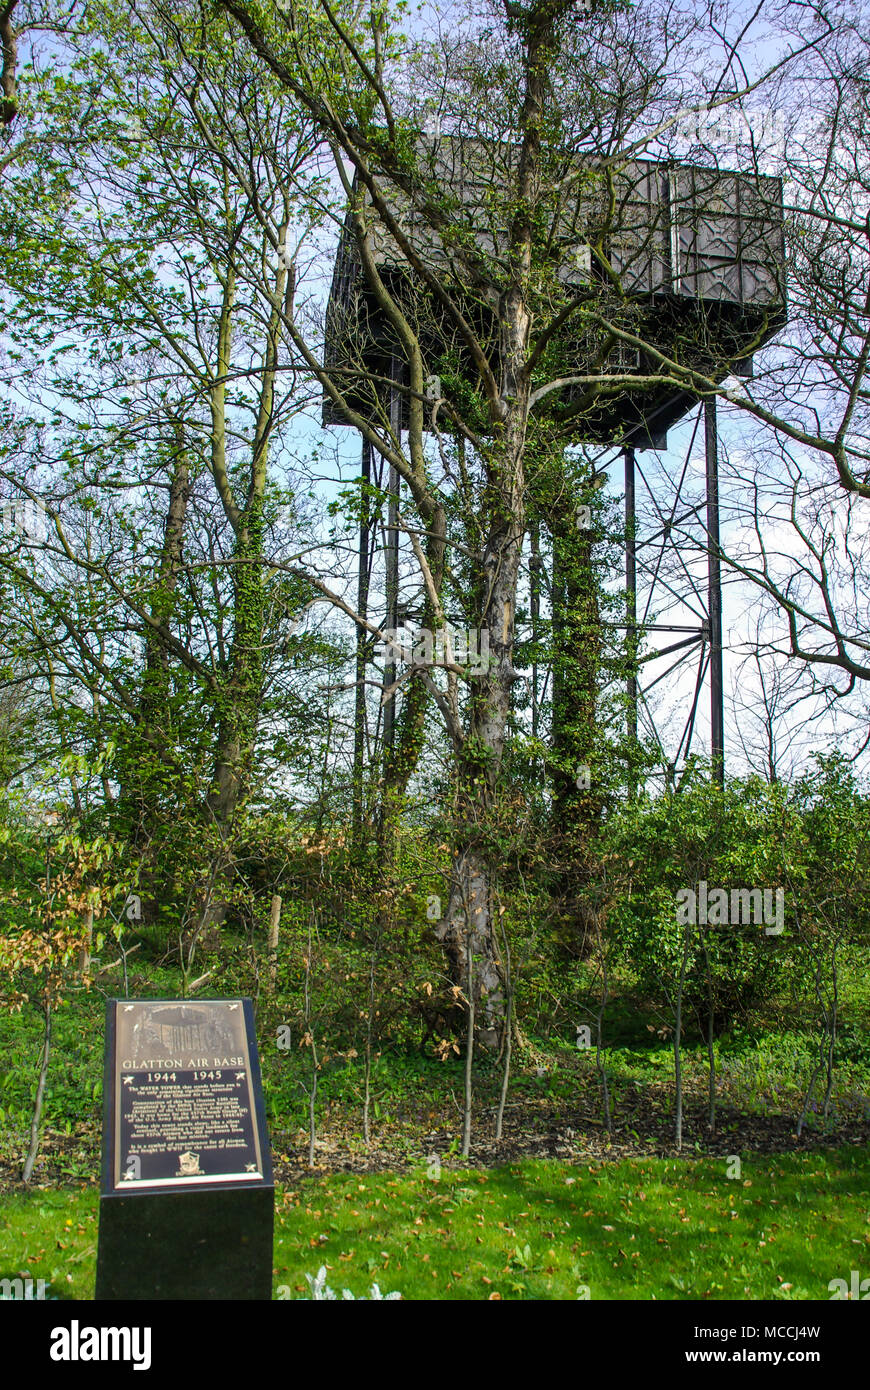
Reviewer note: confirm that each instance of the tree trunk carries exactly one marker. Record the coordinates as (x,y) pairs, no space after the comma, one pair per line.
(8,83)
(239,700)
(577,800)
(145,775)
(469,922)
(33,1148)
(480,756)
(480,752)
(85,952)
(363,643)
(274,928)
(576,667)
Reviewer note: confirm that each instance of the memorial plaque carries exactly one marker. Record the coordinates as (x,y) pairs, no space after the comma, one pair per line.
(184,1105)
(186,1208)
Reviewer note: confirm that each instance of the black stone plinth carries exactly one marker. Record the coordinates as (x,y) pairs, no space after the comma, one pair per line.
(214,1244)
(187,1196)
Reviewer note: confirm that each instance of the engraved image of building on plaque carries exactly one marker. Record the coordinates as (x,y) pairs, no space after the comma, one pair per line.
(174,1031)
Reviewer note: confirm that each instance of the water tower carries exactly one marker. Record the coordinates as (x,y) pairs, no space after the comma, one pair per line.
(685,263)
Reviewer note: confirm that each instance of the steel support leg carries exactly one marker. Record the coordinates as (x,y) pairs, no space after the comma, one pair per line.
(714,601)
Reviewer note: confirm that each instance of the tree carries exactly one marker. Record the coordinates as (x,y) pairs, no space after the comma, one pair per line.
(176,254)
(534,102)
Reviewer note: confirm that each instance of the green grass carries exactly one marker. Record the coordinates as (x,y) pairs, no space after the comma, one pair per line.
(663,1228)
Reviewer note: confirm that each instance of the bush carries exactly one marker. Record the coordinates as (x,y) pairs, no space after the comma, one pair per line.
(748,834)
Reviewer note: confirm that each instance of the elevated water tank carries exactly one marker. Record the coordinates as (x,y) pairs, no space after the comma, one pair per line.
(687,260)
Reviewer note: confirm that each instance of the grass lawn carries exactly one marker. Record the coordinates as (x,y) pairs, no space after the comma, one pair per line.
(644,1228)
